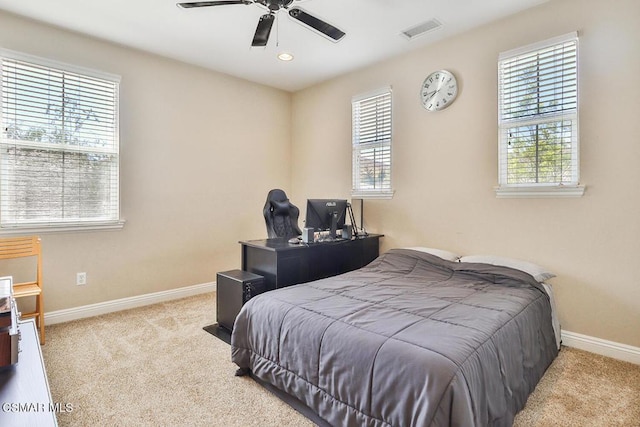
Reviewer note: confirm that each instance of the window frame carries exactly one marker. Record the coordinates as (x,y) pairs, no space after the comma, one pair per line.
(55,226)
(386,191)
(541,189)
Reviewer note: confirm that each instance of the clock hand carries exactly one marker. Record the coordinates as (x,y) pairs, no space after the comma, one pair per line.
(430,94)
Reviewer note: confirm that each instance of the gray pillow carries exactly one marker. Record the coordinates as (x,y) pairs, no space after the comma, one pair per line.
(449,256)
(539,273)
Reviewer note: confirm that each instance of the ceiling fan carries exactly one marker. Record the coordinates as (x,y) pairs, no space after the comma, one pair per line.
(261,36)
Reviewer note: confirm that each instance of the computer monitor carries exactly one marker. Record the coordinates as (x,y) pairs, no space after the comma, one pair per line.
(326,214)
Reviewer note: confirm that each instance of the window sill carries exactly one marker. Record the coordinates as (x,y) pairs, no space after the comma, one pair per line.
(539,191)
(388,194)
(63,228)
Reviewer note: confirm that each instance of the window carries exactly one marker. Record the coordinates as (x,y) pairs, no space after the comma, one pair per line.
(538,120)
(59,146)
(371,120)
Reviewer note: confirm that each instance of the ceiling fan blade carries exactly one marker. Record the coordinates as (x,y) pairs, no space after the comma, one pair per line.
(261,37)
(319,25)
(211,3)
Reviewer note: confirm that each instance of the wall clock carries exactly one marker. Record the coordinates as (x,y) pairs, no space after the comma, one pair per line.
(438,90)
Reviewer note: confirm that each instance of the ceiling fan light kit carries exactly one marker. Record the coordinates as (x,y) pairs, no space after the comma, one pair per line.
(263,30)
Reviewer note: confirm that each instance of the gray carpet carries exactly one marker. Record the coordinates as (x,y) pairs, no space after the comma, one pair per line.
(156,366)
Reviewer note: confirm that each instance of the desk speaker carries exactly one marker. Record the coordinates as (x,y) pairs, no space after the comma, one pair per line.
(307,235)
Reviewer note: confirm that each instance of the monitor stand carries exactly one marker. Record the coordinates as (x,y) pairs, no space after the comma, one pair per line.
(334,225)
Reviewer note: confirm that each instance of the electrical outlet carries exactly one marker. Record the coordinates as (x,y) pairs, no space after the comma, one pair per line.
(81,279)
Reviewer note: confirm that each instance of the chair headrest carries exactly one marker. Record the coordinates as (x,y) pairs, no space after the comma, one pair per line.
(280,207)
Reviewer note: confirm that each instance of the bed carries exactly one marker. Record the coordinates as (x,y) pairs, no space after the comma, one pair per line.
(412,339)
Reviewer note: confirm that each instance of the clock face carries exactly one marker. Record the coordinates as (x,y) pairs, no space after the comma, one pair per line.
(438,90)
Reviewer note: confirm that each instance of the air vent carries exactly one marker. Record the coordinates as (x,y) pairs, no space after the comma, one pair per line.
(420,29)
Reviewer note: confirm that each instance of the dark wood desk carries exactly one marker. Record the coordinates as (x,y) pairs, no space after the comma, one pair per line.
(283,264)
(24,389)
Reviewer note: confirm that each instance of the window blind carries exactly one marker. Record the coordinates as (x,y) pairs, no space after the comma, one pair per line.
(538,114)
(59,146)
(371,120)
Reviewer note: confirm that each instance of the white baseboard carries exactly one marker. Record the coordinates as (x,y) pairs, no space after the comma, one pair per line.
(602,347)
(91,310)
(599,346)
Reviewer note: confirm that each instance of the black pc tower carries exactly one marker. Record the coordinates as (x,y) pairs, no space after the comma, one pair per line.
(234,289)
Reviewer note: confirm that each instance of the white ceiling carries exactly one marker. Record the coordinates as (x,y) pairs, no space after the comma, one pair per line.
(220,37)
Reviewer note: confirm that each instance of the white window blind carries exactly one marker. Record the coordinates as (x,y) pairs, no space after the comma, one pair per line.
(538,114)
(371,138)
(59,146)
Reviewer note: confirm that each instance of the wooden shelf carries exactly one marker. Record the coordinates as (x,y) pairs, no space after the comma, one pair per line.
(30,289)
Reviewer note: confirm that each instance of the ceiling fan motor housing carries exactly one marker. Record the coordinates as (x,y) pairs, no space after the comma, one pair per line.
(275,5)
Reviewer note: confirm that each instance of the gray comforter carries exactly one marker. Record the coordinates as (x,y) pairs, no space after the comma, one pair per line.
(409,340)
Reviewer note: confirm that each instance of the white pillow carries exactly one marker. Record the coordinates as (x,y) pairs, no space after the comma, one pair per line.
(446,255)
(539,273)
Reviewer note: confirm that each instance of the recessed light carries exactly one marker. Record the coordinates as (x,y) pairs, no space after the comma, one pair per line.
(285,56)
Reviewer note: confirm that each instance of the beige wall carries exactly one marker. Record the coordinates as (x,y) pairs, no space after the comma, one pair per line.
(445,163)
(199,152)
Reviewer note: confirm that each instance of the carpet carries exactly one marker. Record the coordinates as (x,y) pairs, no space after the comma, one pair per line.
(155,366)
